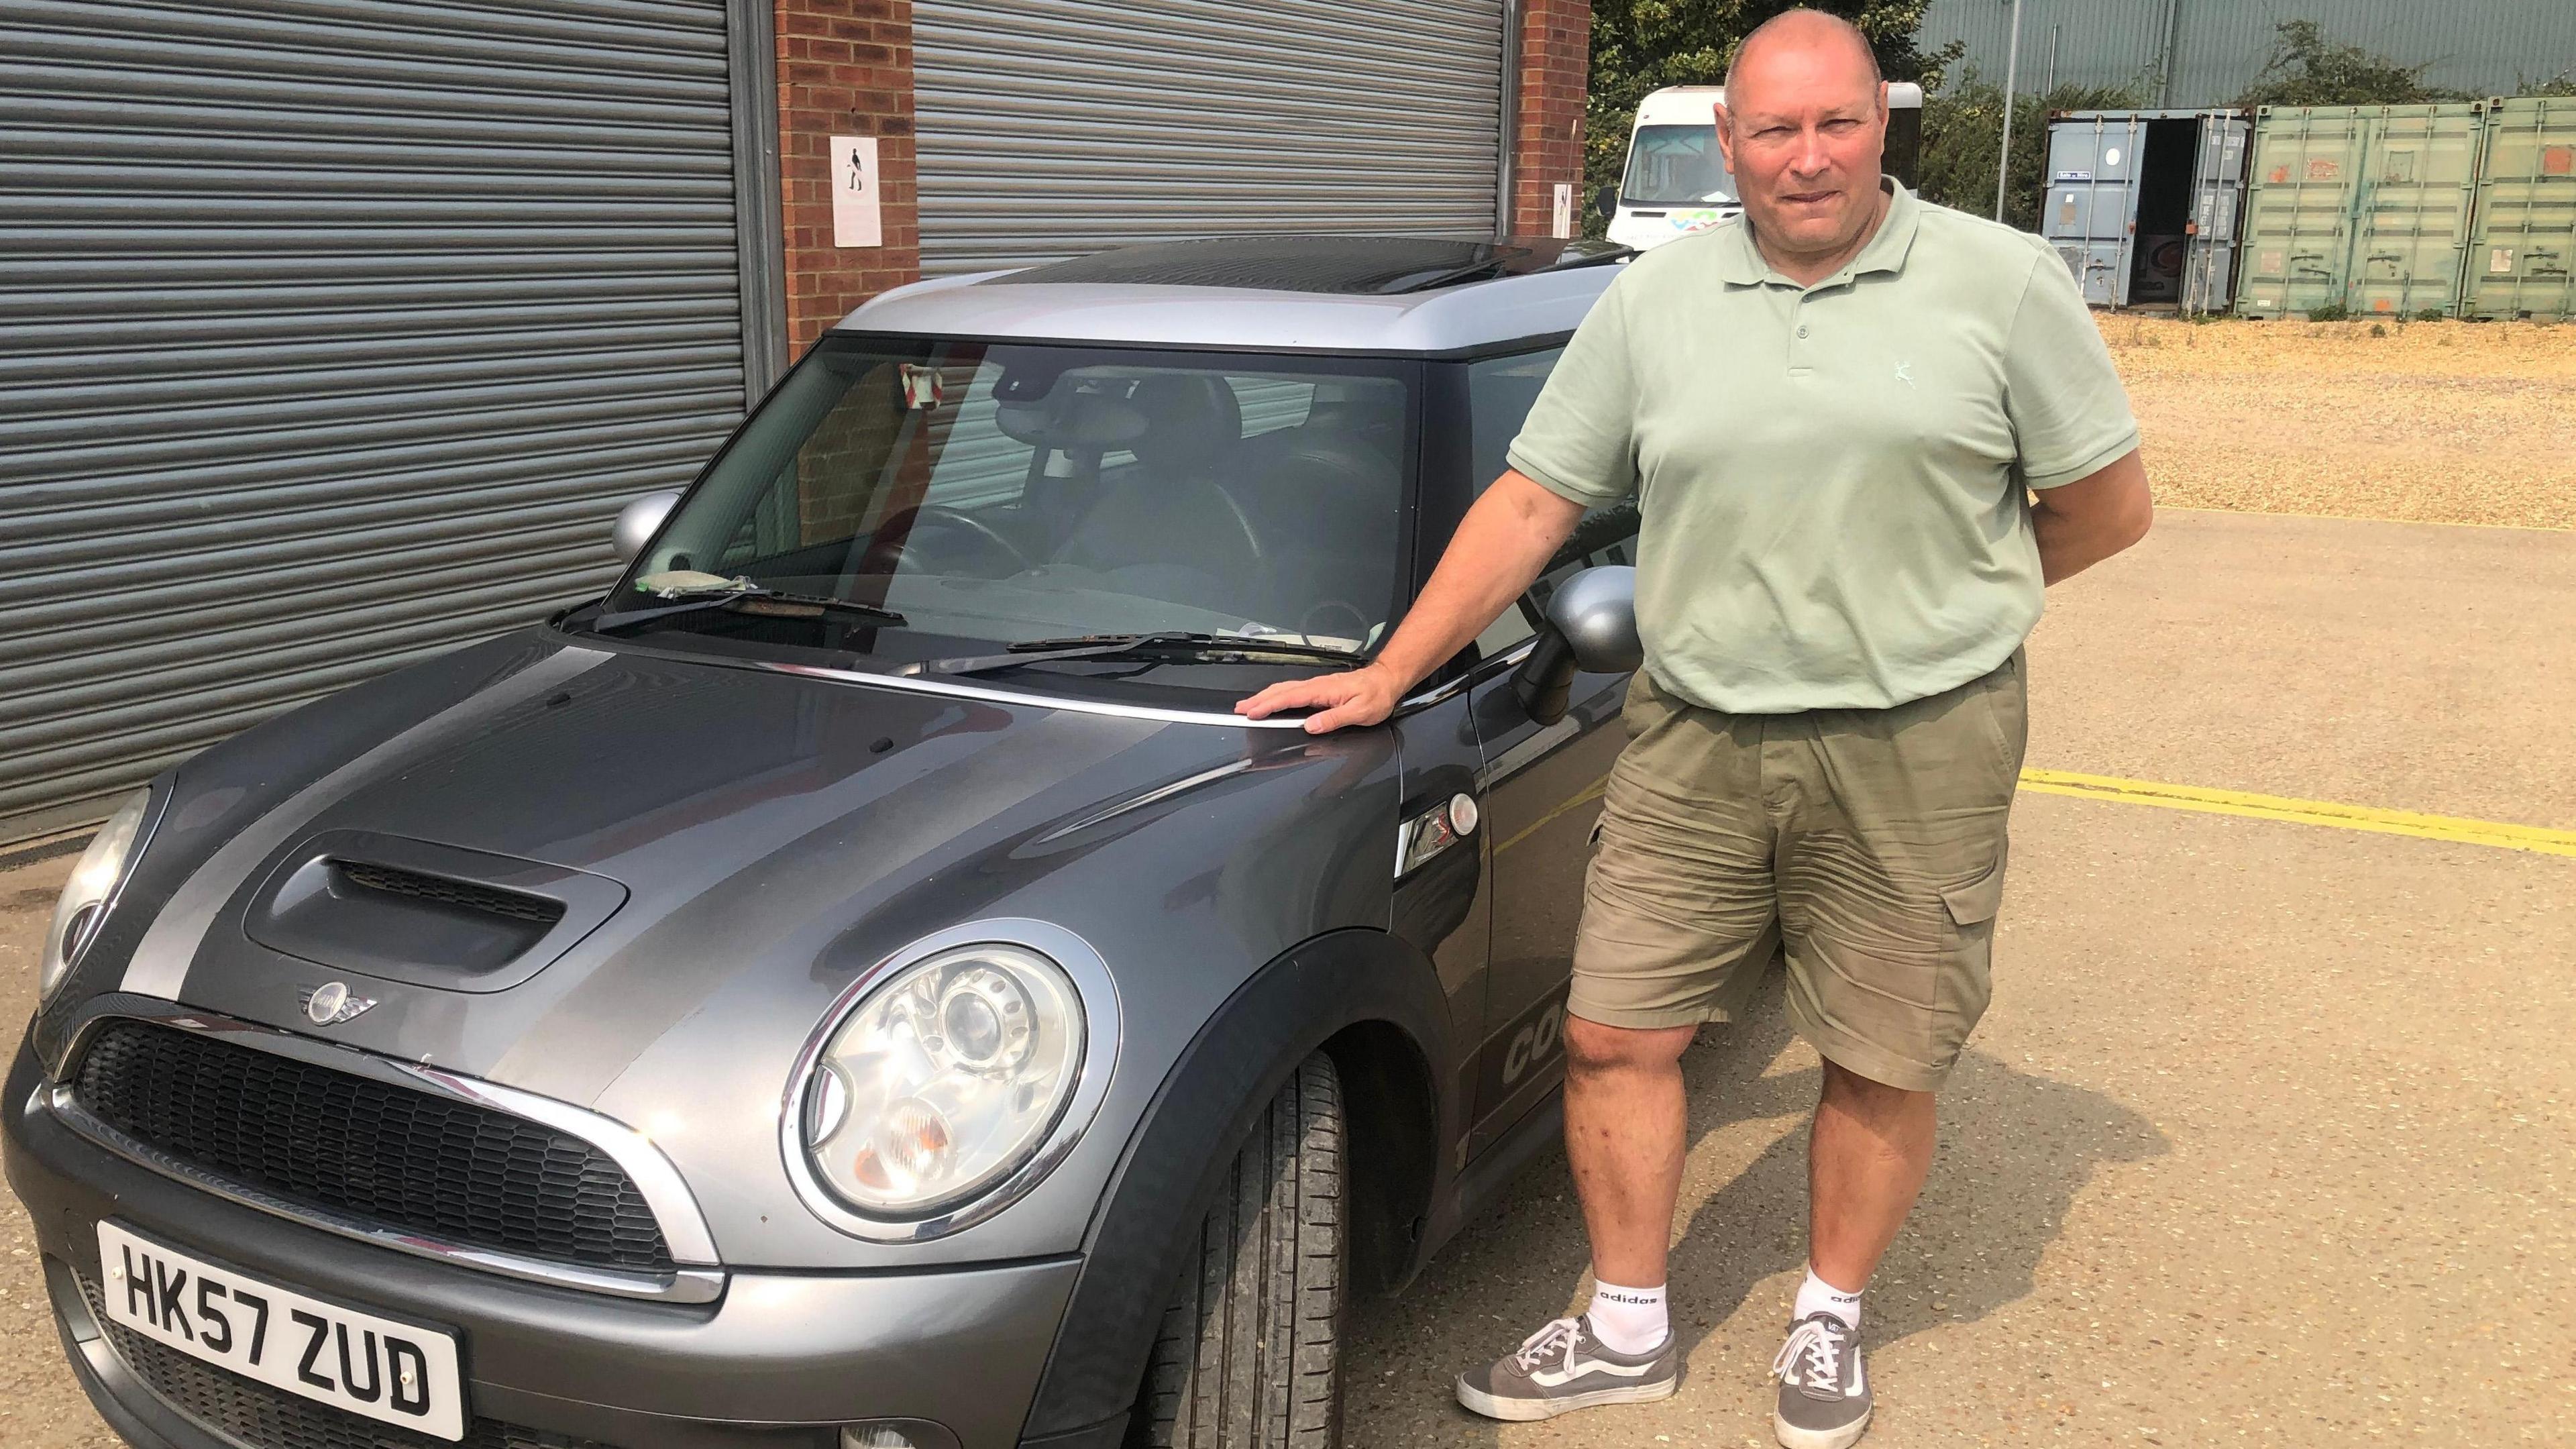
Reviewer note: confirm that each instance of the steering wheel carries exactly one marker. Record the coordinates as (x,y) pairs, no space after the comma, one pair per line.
(992,537)
(1317,620)
(893,545)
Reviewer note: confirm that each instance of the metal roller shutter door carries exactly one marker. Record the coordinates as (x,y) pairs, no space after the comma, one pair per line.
(1054,128)
(337,331)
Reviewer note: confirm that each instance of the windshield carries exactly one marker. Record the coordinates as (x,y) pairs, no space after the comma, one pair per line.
(1002,493)
(1676,166)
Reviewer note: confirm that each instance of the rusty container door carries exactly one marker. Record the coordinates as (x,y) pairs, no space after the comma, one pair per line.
(2092,204)
(2299,209)
(2524,239)
(2418,184)
(2217,206)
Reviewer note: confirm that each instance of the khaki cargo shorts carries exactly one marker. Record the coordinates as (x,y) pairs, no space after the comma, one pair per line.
(1866,845)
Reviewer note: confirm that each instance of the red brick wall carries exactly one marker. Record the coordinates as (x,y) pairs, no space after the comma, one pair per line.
(1556,38)
(844,69)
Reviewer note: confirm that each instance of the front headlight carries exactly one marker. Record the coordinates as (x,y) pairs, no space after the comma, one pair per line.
(944,1080)
(86,895)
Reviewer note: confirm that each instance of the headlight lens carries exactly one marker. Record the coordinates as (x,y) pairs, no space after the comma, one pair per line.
(944,1080)
(85,895)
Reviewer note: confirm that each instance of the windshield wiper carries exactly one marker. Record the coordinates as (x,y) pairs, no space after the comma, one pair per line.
(1186,648)
(700,600)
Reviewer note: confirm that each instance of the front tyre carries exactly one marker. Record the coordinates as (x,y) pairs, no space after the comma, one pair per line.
(1249,1356)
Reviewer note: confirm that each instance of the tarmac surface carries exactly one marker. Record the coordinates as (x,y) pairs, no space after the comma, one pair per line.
(2266,1139)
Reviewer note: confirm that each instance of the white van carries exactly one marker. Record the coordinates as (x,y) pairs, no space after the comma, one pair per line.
(1676,180)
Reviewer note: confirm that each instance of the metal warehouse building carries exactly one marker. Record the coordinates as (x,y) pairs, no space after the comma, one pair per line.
(337,330)
(2193,53)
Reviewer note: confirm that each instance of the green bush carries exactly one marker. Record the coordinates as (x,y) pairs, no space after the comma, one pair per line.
(2306,69)
(2330,312)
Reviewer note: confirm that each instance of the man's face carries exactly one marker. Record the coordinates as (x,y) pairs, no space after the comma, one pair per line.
(1802,129)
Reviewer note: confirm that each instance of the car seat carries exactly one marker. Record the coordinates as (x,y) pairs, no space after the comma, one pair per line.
(1164,523)
(1328,498)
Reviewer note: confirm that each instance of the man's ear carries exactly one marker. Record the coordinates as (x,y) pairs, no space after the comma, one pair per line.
(1725,143)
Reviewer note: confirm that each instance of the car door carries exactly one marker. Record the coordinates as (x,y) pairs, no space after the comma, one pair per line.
(1540,785)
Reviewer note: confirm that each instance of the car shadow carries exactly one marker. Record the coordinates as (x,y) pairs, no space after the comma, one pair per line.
(2014,1150)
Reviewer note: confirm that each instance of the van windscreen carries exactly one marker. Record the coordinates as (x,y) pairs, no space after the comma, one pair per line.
(1676,166)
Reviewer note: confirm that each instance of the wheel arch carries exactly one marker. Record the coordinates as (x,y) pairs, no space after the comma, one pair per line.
(1391,1126)
(1371,1002)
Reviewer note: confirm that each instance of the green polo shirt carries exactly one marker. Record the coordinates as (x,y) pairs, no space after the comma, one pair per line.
(1831,477)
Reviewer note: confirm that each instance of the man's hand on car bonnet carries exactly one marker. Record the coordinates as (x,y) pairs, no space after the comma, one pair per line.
(1362,696)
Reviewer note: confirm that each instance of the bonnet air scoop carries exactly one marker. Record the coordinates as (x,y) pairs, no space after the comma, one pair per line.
(427,914)
(360,877)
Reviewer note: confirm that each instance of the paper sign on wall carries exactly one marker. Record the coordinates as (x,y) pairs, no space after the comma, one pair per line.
(855,220)
(1564,209)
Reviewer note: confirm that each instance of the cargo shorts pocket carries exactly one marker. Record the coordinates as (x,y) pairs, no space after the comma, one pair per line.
(1976,902)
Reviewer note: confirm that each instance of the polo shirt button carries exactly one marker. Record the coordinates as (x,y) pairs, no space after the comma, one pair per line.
(1802,331)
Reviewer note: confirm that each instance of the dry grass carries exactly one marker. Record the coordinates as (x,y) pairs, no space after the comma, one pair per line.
(2448,422)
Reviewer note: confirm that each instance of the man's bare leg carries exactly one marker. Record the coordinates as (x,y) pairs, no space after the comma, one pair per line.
(1625,1129)
(1866,1161)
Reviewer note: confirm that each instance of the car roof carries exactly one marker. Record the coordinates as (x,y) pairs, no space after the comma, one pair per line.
(1351,295)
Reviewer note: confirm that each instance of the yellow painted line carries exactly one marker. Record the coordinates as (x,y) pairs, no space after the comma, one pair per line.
(2456,829)
(1591,792)
(2302,812)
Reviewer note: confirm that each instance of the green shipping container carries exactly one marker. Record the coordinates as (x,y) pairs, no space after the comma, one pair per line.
(2525,238)
(2366,208)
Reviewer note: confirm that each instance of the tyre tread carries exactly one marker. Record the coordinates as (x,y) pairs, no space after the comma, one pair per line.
(1248,1356)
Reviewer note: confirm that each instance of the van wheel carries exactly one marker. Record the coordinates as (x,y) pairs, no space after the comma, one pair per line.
(1249,1356)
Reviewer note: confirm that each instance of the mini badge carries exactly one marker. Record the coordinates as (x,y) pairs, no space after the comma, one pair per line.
(331,1004)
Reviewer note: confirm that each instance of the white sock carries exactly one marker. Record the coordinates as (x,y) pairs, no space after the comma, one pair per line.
(1628,1320)
(1818,1296)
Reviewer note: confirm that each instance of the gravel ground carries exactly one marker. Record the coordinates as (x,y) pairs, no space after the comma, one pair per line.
(2434,422)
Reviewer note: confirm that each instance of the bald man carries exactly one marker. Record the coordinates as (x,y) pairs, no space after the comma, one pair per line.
(1864,434)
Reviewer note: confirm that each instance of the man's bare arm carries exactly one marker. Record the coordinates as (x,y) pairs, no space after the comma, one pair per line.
(1500,546)
(2086,521)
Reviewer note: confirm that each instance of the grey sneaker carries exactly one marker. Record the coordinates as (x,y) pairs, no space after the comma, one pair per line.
(1824,1393)
(1561,1368)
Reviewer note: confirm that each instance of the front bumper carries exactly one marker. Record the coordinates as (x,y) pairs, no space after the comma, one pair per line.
(781,1361)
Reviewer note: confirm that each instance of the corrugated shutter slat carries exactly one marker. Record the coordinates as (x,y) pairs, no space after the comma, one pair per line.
(338,330)
(1052,128)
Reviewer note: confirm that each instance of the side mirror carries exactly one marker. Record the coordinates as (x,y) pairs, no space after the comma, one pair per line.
(1606,202)
(638,521)
(1592,627)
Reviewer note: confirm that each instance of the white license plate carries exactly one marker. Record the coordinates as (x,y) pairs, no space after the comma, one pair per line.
(400,1373)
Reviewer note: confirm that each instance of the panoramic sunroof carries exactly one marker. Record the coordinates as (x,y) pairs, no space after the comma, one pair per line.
(1377,266)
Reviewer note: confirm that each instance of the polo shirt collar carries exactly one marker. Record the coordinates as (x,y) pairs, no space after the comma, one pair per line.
(1740,262)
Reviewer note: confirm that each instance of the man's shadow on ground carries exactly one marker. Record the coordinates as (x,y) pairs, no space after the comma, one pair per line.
(2014,1150)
